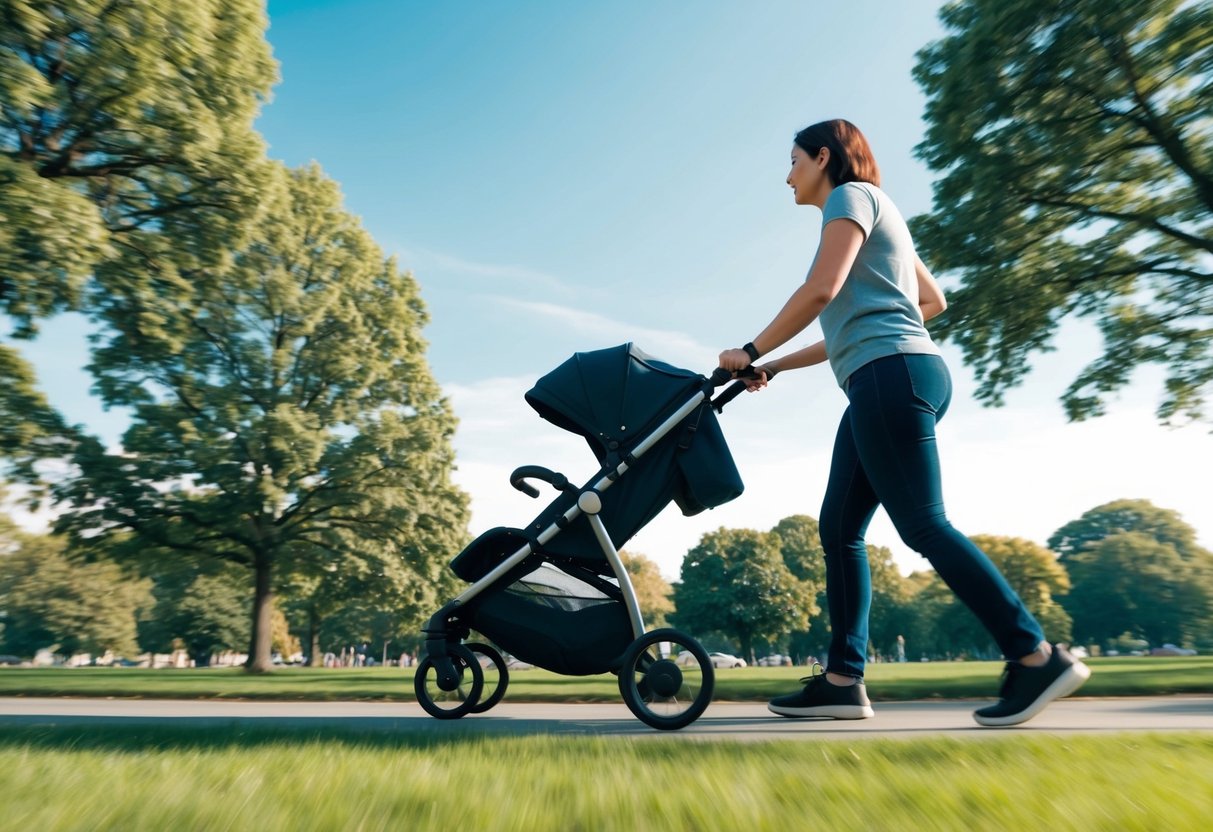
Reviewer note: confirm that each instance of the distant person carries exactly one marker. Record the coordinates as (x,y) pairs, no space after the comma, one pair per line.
(873,295)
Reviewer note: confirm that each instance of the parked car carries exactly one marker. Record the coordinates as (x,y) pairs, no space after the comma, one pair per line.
(775,660)
(717,659)
(1172,650)
(725,660)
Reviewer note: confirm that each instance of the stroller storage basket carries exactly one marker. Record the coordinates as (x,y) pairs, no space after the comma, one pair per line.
(556,621)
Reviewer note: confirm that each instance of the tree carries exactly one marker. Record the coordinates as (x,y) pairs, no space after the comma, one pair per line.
(1076,154)
(48,601)
(736,582)
(1162,524)
(202,603)
(121,122)
(125,137)
(284,418)
(1130,582)
(652,590)
(800,546)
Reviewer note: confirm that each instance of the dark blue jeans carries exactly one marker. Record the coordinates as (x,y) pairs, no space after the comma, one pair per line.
(885,454)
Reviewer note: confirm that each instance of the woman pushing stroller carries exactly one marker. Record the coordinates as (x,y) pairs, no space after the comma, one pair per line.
(873,295)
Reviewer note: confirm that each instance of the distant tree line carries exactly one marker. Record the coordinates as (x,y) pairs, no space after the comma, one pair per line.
(1126,574)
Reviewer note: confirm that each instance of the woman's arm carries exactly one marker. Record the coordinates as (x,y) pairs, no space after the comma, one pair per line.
(930,297)
(840,242)
(806,357)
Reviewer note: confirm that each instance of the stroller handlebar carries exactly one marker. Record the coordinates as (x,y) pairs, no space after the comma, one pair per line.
(734,389)
(518,479)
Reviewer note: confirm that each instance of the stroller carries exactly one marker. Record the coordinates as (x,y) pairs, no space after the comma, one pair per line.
(555,594)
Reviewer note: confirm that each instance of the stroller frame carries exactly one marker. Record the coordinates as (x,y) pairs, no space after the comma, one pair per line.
(445,630)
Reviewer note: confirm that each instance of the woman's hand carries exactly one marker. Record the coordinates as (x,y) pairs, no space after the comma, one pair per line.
(759,381)
(734,360)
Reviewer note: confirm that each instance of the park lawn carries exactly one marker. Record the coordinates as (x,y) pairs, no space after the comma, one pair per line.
(111,778)
(1121,676)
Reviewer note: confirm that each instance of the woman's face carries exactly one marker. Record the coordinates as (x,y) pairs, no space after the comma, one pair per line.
(807,178)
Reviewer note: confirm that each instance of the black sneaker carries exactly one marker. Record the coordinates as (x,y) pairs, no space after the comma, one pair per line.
(820,698)
(1025,691)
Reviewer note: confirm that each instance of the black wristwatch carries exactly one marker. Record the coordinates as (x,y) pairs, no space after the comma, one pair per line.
(751,351)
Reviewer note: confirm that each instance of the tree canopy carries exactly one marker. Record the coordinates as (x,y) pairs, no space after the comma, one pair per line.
(1076,157)
(284,417)
(736,582)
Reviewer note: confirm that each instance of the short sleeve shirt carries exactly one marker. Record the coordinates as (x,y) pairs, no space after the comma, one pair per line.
(875,313)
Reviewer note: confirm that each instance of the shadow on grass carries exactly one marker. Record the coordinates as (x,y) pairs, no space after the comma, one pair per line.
(128,735)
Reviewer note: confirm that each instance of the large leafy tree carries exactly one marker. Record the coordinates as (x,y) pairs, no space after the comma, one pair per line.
(120,122)
(284,417)
(1151,558)
(1162,524)
(1130,582)
(1076,153)
(125,137)
(50,601)
(737,583)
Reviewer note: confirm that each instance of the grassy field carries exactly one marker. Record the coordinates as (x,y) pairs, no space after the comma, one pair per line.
(167,778)
(1122,676)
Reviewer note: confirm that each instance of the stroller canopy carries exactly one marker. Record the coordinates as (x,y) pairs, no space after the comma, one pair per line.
(611,396)
(615,397)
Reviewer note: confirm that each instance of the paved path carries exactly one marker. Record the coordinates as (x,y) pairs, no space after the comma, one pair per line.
(723,720)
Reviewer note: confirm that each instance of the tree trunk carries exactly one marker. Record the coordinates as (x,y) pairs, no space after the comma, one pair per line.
(314,659)
(263,611)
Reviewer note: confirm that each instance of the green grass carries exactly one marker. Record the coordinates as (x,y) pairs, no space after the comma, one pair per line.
(1123,676)
(174,778)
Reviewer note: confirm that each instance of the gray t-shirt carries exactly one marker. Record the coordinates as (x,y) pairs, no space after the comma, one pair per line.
(875,313)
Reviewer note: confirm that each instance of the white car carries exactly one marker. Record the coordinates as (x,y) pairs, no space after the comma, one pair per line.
(725,660)
(718,659)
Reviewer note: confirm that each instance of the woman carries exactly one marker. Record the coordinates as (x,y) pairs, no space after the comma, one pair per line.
(873,294)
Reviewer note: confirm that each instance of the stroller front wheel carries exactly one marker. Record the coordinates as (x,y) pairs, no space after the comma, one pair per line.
(670,689)
(454,703)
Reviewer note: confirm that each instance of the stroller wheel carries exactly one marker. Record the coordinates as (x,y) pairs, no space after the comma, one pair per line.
(666,691)
(460,700)
(496,677)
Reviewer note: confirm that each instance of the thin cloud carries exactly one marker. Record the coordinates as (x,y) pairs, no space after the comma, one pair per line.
(669,345)
(423,260)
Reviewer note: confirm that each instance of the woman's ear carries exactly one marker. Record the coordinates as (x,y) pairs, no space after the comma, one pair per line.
(823,158)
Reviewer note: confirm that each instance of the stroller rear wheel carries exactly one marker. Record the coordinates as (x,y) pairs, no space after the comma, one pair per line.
(496,676)
(462,698)
(667,690)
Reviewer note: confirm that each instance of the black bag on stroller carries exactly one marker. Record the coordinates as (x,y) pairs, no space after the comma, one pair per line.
(555,593)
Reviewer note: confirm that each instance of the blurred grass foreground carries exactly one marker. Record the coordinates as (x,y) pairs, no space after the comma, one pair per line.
(170,778)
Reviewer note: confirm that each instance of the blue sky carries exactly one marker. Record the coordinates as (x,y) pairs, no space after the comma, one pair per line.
(569,176)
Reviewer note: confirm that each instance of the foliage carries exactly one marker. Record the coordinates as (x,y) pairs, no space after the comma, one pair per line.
(1132,582)
(121,123)
(202,603)
(1076,154)
(652,590)
(30,429)
(948,627)
(1118,587)
(1162,524)
(735,581)
(48,601)
(284,418)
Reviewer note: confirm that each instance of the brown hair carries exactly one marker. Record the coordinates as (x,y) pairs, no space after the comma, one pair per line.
(851,158)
